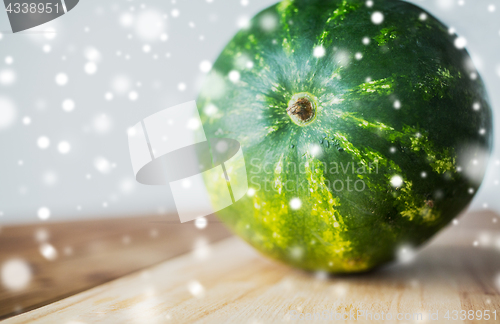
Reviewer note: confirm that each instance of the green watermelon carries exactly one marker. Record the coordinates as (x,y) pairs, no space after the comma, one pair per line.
(360,123)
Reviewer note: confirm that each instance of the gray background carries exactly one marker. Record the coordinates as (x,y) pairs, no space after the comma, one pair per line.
(113,35)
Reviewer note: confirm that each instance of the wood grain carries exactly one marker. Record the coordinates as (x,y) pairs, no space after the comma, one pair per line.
(92,252)
(229,282)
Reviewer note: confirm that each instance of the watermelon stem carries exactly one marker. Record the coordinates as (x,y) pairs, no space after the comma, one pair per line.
(302,108)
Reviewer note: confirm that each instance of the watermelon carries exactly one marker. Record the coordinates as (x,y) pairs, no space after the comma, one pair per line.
(361,123)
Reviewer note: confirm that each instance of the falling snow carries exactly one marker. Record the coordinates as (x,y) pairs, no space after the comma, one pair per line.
(211,109)
(92,54)
(63,147)
(7,77)
(268,22)
(234,76)
(61,79)
(43,213)
(8,113)
(121,84)
(201,223)
(48,251)
(377,18)
(196,289)
(150,25)
(319,51)
(295,203)
(205,66)
(90,68)
(133,95)
(68,105)
(16,274)
(243,22)
(49,178)
(396,181)
(460,42)
(102,165)
(43,142)
(405,254)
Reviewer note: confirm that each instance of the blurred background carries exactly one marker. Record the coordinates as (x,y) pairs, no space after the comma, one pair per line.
(70,89)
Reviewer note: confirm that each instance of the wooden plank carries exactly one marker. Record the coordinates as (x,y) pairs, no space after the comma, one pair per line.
(90,253)
(229,282)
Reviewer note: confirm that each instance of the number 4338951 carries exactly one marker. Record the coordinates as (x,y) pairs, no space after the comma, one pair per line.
(463,315)
(33,7)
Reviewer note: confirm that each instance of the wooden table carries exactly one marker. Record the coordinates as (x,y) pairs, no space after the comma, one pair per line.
(92,252)
(229,282)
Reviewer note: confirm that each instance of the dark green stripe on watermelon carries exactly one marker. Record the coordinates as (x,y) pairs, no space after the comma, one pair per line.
(402,109)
